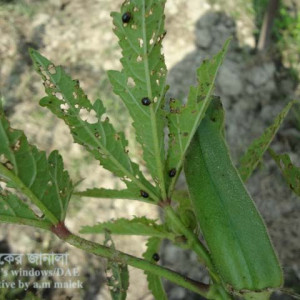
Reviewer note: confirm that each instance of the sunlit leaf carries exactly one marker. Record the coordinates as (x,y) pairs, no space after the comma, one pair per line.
(87,122)
(142,82)
(27,170)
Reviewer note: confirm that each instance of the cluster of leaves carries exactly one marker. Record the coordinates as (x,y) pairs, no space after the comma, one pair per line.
(36,190)
(27,171)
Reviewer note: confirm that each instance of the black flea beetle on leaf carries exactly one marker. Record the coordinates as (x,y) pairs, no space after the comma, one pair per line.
(146,101)
(156,257)
(144,194)
(126,17)
(172,172)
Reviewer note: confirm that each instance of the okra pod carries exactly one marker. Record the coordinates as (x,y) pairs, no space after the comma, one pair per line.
(233,228)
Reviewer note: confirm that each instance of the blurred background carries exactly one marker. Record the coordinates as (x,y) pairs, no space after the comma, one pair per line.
(259,76)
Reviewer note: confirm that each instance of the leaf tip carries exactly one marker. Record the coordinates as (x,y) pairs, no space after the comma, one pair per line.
(32,52)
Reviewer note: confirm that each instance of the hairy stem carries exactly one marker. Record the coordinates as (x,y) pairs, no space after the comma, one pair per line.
(136,262)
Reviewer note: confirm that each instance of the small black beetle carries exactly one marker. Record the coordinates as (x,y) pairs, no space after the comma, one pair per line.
(126,17)
(156,257)
(144,194)
(172,172)
(146,101)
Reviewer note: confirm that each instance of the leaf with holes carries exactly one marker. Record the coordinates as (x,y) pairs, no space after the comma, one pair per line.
(26,169)
(290,172)
(154,281)
(184,119)
(256,150)
(135,226)
(116,273)
(67,101)
(142,82)
(14,210)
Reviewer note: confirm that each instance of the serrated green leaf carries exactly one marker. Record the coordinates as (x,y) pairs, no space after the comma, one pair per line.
(13,210)
(63,187)
(117,274)
(143,76)
(184,119)
(290,172)
(133,194)
(68,102)
(256,150)
(154,281)
(135,226)
(26,169)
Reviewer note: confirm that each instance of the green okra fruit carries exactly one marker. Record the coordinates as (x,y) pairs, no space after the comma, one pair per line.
(234,231)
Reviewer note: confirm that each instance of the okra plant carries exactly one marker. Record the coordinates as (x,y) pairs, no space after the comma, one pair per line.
(237,253)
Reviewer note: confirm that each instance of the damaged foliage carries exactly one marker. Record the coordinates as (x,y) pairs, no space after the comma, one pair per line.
(35,189)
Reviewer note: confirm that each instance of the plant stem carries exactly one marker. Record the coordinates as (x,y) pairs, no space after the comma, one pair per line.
(192,239)
(136,262)
(193,242)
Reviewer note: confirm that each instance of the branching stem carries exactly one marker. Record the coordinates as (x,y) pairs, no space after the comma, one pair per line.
(136,262)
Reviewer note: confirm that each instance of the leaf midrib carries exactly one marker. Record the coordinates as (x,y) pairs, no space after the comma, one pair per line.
(153,119)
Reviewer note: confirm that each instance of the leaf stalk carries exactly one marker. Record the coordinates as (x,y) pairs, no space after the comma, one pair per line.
(123,258)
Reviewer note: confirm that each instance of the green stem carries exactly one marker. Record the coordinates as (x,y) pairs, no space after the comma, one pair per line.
(6,174)
(136,262)
(193,242)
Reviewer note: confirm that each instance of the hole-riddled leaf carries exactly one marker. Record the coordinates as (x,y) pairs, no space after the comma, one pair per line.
(116,273)
(143,64)
(256,150)
(26,169)
(14,210)
(132,193)
(135,226)
(68,101)
(184,119)
(290,172)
